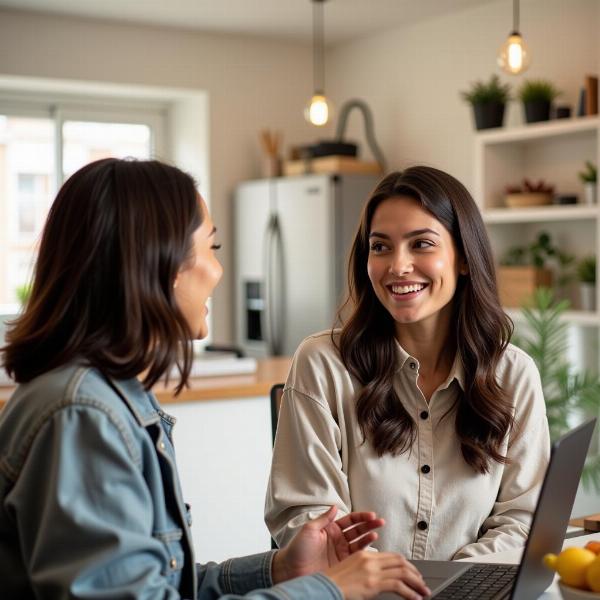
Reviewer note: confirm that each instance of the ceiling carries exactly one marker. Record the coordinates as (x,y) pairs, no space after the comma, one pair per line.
(290,19)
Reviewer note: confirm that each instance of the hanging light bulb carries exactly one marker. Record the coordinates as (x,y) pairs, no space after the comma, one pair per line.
(319,109)
(514,57)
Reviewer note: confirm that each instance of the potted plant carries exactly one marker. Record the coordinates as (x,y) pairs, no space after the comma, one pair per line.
(525,268)
(488,100)
(589,177)
(567,392)
(537,96)
(586,273)
(529,193)
(22,292)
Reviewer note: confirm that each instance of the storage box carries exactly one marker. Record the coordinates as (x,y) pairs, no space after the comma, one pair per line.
(517,284)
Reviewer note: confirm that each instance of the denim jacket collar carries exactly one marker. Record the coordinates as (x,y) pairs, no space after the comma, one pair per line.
(134,395)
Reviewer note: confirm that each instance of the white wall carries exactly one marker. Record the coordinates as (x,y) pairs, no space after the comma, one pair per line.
(251,83)
(412,76)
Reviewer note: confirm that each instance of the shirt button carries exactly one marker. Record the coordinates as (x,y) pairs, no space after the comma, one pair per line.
(413,365)
(161,445)
(173,563)
(424,415)
(425,469)
(422,525)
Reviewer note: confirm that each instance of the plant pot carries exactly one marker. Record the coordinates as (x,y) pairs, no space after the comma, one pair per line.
(488,115)
(589,192)
(587,296)
(537,110)
(527,199)
(516,285)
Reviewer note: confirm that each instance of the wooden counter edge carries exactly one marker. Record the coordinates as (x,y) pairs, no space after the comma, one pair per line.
(269,371)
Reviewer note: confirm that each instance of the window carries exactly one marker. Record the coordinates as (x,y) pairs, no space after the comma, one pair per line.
(41,145)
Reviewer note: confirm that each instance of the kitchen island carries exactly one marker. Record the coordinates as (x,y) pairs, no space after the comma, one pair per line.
(223,442)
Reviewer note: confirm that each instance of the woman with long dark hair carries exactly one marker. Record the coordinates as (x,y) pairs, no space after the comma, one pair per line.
(90,501)
(419,406)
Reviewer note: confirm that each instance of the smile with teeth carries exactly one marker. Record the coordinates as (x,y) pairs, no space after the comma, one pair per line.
(407,289)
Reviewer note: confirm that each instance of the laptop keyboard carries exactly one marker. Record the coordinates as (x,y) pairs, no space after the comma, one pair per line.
(481,582)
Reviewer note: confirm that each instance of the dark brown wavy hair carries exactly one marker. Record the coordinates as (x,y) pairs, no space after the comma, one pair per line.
(482,330)
(116,236)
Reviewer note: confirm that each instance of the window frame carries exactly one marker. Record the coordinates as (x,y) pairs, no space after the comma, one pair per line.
(59,108)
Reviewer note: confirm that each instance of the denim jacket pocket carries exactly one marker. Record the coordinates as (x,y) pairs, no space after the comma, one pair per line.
(171,541)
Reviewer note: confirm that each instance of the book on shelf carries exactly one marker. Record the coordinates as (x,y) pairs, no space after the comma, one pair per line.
(591,95)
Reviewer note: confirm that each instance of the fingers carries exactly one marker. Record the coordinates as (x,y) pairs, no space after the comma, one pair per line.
(403,589)
(401,576)
(366,574)
(354,532)
(362,542)
(356,517)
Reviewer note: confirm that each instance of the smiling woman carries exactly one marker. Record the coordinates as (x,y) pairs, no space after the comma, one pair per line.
(418,405)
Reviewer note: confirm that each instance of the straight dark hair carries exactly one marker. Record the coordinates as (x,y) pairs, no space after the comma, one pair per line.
(116,236)
(482,330)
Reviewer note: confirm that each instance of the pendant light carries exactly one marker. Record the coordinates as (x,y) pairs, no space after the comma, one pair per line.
(318,111)
(513,57)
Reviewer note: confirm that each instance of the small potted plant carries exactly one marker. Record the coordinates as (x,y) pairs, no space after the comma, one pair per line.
(529,193)
(586,273)
(525,268)
(589,177)
(488,100)
(22,292)
(537,96)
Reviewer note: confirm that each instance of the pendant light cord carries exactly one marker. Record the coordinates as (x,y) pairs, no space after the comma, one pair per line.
(516,16)
(318,51)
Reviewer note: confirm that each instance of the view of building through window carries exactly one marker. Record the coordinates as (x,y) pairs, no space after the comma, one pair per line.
(86,141)
(29,180)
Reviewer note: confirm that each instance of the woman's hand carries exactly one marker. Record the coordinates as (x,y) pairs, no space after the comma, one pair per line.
(323,543)
(366,574)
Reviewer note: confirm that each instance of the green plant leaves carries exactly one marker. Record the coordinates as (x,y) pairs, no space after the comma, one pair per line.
(570,395)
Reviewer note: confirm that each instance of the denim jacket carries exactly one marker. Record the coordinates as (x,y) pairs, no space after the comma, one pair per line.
(91,505)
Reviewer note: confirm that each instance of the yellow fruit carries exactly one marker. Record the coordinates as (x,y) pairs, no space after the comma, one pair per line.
(571,564)
(593,546)
(592,575)
(550,561)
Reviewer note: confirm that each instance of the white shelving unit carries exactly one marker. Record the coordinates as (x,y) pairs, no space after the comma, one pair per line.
(554,151)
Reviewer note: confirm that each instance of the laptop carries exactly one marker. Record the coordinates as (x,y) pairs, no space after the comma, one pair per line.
(529,579)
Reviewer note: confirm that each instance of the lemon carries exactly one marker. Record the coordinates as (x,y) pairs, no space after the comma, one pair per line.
(592,575)
(571,564)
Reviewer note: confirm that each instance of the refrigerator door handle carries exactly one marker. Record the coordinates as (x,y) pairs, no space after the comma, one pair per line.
(278,289)
(265,316)
(272,240)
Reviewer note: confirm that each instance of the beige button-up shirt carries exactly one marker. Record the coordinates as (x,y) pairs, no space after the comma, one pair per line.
(434,504)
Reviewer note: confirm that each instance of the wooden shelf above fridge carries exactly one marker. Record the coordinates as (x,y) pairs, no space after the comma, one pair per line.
(331,164)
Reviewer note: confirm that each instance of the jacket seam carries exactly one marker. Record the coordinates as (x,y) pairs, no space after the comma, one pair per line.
(73,403)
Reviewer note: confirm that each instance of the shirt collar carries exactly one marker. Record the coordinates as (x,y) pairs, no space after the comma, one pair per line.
(456,372)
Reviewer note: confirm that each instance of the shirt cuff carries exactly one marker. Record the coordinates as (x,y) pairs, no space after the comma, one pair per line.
(316,585)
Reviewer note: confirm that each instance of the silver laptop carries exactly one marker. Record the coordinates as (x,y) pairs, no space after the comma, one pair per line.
(529,579)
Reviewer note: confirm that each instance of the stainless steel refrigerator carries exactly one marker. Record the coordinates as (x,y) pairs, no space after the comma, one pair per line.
(292,237)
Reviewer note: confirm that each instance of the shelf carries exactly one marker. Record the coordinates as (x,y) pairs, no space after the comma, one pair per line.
(569,212)
(572,317)
(534,131)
